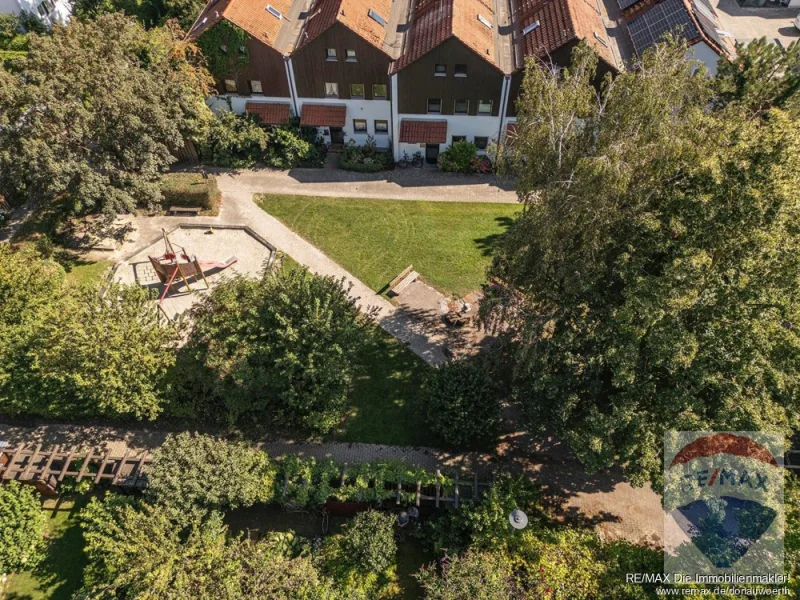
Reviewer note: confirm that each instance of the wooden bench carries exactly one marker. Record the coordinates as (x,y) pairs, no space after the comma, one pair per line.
(194,210)
(402,281)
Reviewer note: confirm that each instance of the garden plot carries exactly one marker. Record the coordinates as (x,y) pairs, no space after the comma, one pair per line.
(217,243)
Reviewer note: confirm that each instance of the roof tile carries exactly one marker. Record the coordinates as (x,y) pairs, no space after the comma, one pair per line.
(353,14)
(270,113)
(323,115)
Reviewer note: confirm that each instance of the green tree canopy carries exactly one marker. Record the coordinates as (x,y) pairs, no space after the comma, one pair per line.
(191,474)
(93,114)
(21,528)
(280,350)
(652,279)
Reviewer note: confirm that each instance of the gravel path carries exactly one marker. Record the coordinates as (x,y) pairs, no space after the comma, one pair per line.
(408,184)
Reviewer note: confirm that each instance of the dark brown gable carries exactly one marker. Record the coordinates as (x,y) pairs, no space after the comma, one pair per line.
(417,81)
(312,70)
(266,66)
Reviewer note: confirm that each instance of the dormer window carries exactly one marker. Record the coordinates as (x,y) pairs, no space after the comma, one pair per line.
(530,28)
(274,12)
(485,21)
(376,17)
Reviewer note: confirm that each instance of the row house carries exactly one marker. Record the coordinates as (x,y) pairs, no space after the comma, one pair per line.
(418,75)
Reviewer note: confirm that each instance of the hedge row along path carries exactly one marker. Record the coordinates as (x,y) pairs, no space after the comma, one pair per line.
(603,500)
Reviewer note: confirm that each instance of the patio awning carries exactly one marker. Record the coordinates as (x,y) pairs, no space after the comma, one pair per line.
(423,131)
(323,115)
(270,113)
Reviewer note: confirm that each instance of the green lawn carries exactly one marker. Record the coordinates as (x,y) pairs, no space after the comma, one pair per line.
(60,575)
(83,274)
(449,243)
(383,407)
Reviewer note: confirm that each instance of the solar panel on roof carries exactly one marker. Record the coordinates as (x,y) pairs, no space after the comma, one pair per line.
(650,28)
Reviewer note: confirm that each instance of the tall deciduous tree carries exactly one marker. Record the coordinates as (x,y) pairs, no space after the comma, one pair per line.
(653,275)
(21,528)
(95,111)
(280,350)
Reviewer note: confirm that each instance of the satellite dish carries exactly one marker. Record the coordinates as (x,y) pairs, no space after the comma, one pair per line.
(518,519)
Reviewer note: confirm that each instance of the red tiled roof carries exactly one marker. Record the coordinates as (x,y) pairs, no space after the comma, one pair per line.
(560,22)
(423,132)
(323,115)
(270,113)
(435,21)
(251,16)
(353,14)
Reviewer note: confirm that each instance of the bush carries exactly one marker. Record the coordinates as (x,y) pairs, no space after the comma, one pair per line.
(192,474)
(191,189)
(279,350)
(462,404)
(292,146)
(459,157)
(474,575)
(366,158)
(233,141)
(21,528)
(369,541)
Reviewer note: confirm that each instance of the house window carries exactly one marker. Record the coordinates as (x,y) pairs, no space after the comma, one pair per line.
(360,125)
(356,90)
(230,86)
(379,90)
(484,107)
(435,105)
(459,138)
(440,70)
(461,107)
(42,10)
(255,87)
(481,142)
(332,90)
(330,54)
(460,71)
(381,126)
(351,55)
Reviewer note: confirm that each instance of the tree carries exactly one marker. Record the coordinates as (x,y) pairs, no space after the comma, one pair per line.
(92,116)
(278,350)
(369,541)
(463,404)
(21,528)
(192,474)
(651,281)
(763,75)
(475,575)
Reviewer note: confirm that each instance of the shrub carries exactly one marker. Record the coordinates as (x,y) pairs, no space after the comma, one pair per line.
(21,528)
(369,541)
(292,146)
(481,164)
(191,189)
(458,158)
(233,140)
(366,158)
(462,404)
(278,350)
(192,474)
(474,575)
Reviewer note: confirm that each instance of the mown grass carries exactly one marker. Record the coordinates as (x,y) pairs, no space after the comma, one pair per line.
(449,243)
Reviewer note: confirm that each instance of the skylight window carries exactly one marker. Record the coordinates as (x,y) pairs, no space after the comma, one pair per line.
(274,11)
(376,17)
(485,21)
(530,28)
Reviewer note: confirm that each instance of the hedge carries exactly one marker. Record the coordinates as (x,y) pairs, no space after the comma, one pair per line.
(191,189)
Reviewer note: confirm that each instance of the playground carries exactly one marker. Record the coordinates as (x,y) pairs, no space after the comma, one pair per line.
(186,261)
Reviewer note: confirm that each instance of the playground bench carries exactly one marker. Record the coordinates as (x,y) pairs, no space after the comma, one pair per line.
(195,210)
(402,281)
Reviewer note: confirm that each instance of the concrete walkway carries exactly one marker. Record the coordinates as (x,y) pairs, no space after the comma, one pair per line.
(401,184)
(604,501)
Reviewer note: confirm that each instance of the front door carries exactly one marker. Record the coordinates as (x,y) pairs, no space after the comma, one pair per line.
(337,135)
(431,153)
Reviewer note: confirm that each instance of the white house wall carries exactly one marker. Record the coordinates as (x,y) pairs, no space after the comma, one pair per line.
(60,14)
(369,110)
(238,103)
(466,125)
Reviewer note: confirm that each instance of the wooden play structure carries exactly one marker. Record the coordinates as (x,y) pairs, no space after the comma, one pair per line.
(172,265)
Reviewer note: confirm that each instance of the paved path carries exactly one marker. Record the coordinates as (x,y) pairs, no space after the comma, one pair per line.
(604,501)
(15,221)
(408,184)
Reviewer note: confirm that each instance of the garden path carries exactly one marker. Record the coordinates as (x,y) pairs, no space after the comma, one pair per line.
(604,500)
